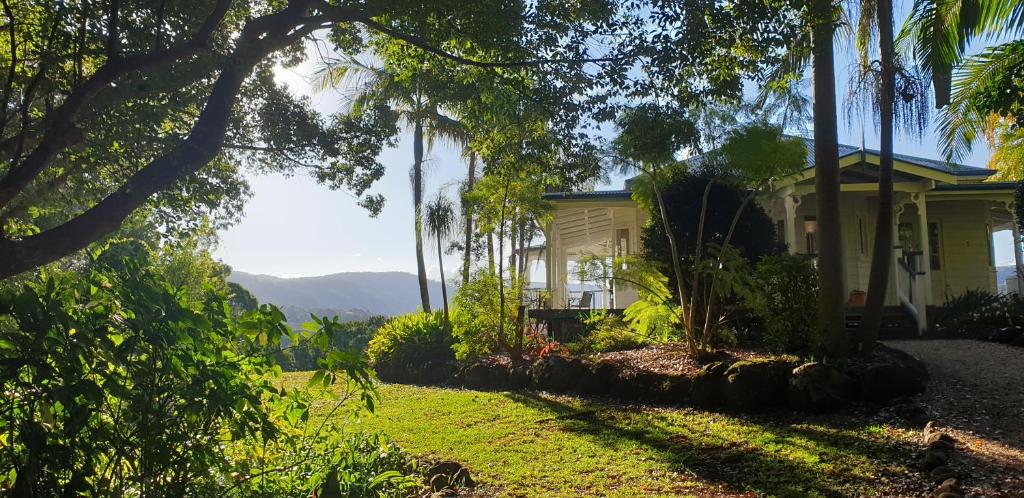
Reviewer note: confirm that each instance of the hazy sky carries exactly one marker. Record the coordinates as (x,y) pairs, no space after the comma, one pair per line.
(295,227)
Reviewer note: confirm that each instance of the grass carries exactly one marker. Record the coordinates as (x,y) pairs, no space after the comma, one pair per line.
(526,444)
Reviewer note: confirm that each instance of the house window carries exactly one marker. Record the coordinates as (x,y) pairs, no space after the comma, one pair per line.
(934,247)
(862,235)
(811,234)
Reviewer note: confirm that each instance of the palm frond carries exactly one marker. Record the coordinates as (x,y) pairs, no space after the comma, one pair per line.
(962,122)
(440,218)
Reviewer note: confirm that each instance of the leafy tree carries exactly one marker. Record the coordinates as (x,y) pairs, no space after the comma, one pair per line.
(440,224)
(751,156)
(120,383)
(106,113)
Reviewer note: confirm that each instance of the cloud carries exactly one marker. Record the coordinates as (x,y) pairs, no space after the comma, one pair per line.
(356,255)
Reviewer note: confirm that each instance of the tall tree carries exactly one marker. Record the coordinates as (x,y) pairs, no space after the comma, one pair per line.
(441,224)
(878,82)
(418,101)
(831,321)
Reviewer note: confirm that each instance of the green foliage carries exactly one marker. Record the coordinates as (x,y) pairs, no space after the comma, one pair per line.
(784,298)
(652,135)
(683,195)
(121,384)
(476,317)
(654,314)
(975,314)
(412,338)
(351,336)
(607,333)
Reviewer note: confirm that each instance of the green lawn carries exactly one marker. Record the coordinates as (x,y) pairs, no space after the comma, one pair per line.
(525,444)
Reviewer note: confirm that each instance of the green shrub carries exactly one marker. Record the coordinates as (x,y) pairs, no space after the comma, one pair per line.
(977,313)
(411,339)
(476,317)
(785,299)
(608,333)
(118,383)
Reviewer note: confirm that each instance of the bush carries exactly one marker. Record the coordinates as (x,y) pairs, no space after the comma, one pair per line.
(608,333)
(785,299)
(476,317)
(976,314)
(118,383)
(411,339)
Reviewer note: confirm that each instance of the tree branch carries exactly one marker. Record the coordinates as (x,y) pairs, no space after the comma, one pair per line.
(61,131)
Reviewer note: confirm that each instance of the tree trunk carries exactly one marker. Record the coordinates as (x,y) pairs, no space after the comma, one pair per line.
(417,203)
(490,252)
(831,319)
(467,211)
(882,253)
(444,285)
(677,267)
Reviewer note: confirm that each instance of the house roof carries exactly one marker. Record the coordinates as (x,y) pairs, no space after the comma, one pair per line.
(933,164)
(594,194)
(976,187)
(845,150)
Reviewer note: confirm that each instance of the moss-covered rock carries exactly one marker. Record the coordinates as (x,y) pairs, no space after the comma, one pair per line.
(817,387)
(757,384)
(706,389)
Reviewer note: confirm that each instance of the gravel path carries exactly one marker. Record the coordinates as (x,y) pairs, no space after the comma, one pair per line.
(977,392)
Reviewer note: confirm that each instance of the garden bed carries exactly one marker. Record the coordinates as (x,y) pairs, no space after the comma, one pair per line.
(732,379)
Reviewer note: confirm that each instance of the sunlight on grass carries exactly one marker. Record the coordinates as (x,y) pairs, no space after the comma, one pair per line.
(524,444)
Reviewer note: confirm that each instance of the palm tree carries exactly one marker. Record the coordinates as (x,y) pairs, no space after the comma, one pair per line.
(937,34)
(831,318)
(420,110)
(441,225)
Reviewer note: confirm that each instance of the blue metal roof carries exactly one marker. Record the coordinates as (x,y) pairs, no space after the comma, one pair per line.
(933,164)
(595,194)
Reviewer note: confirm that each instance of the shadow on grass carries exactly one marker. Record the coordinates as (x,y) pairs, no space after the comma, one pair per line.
(761,455)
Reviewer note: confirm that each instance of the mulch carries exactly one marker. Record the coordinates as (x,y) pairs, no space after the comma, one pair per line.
(672,358)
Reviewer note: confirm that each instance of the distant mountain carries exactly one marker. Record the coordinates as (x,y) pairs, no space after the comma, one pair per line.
(351,295)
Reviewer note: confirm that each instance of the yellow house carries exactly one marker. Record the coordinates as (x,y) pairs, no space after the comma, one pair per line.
(945,217)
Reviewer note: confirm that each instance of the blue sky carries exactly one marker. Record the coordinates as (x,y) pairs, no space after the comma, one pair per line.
(295,227)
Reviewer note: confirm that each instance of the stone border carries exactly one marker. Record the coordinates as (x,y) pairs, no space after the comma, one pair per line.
(936,457)
(745,386)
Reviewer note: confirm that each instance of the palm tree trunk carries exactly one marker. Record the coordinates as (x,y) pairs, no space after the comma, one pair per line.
(831,320)
(467,211)
(444,285)
(417,202)
(881,256)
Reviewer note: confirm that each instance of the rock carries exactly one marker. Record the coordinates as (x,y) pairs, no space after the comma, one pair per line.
(447,475)
(1018,342)
(1006,335)
(462,479)
(560,374)
(708,384)
(951,485)
(940,444)
(438,482)
(939,437)
(941,473)
(950,495)
(891,374)
(673,389)
(933,458)
(757,384)
(486,374)
(914,414)
(817,387)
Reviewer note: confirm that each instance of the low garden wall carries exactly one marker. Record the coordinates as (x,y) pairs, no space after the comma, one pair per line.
(750,384)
